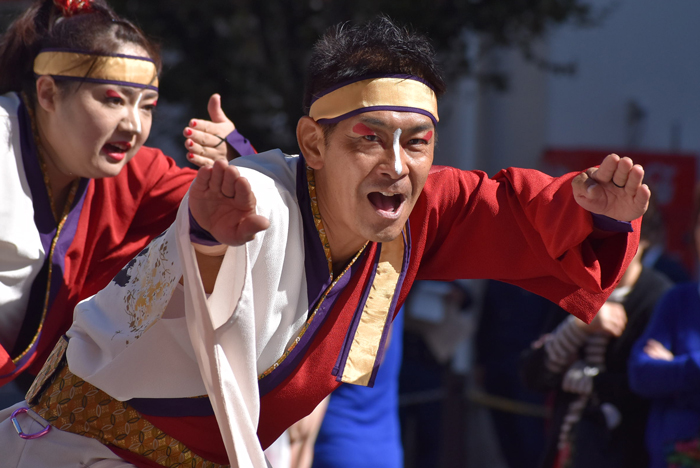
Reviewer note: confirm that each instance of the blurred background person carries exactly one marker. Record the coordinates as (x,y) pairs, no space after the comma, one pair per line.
(597,421)
(665,368)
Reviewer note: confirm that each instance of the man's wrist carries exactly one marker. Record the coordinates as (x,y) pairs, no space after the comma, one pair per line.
(606,223)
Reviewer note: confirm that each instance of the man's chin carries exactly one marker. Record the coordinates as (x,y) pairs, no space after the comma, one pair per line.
(388,234)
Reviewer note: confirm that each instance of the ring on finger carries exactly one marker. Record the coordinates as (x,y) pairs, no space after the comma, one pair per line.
(618,186)
(220,142)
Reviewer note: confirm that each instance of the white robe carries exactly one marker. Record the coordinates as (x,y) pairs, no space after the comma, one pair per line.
(21,251)
(125,342)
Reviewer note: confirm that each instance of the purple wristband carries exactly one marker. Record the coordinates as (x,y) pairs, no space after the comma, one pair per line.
(605,223)
(199,235)
(239,143)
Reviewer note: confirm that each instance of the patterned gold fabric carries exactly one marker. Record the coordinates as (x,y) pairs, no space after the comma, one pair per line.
(73,405)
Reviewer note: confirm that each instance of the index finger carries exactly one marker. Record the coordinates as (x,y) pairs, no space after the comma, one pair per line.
(206,126)
(607,168)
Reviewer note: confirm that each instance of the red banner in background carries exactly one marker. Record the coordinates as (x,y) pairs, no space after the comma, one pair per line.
(671,177)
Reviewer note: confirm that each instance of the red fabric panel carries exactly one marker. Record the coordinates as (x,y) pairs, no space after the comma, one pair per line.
(300,393)
(522,227)
(120,216)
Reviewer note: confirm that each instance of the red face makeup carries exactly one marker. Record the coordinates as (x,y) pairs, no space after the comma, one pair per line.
(428,135)
(362,129)
(112,94)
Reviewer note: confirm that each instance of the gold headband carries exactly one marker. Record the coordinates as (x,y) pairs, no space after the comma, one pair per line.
(404,94)
(117,69)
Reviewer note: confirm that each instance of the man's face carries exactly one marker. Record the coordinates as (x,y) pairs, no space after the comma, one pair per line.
(374,166)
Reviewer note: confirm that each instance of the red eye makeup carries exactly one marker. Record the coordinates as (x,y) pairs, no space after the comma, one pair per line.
(362,129)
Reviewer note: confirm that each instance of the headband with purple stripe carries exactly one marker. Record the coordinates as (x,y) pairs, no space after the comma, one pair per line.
(119,69)
(402,93)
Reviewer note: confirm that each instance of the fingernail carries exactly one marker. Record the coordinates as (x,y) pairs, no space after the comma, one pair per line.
(190,156)
(591,187)
(190,143)
(188,132)
(193,124)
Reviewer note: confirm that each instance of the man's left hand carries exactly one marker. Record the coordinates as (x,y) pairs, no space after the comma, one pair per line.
(614,189)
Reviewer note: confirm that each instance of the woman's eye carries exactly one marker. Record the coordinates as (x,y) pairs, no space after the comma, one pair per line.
(112,97)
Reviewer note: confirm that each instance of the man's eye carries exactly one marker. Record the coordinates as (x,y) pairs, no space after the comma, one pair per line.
(371,137)
(417,141)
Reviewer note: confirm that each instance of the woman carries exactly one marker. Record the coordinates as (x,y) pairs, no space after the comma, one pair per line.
(665,367)
(82,196)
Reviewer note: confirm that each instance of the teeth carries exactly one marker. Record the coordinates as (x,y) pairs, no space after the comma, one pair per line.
(387,194)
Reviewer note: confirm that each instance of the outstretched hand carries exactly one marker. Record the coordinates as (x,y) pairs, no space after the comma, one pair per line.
(614,189)
(223,203)
(205,141)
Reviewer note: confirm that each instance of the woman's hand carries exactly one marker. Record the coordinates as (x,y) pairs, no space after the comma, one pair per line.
(614,189)
(206,139)
(223,203)
(656,350)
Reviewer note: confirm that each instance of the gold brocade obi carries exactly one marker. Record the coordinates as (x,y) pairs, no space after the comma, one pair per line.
(70,404)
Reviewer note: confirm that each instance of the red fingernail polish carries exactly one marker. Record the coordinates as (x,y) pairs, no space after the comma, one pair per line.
(190,143)
(190,156)
(193,124)
(188,132)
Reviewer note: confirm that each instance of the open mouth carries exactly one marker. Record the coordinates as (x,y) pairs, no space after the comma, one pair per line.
(117,150)
(386,202)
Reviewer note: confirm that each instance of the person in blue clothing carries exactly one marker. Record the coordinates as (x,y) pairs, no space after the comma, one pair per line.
(665,367)
(361,426)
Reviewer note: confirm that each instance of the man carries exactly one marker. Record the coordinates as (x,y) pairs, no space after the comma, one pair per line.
(280,276)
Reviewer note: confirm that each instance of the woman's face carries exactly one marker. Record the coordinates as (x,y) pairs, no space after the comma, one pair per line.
(95,129)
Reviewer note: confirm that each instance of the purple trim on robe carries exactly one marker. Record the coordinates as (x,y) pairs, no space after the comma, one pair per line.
(339,366)
(362,110)
(368,77)
(240,143)
(87,52)
(199,235)
(315,263)
(46,225)
(390,316)
(605,223)
(277,376)
(173,407)
(317,281)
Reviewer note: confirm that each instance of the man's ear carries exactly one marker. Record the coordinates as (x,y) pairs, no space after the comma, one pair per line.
(46,93)
(311,142)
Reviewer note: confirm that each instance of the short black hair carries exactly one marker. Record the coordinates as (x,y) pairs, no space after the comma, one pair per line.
(346,52)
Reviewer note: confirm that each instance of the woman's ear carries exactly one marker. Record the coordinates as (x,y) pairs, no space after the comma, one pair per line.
(46,93)
(311,142)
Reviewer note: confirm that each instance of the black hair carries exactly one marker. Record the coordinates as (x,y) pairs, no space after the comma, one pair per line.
(347,52)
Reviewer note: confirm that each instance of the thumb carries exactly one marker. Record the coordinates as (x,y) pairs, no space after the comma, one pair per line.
(216,114)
